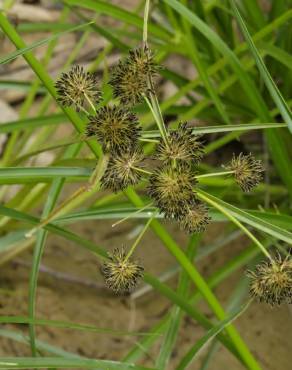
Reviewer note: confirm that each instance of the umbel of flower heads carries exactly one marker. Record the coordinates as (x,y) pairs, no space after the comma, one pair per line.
(172,183)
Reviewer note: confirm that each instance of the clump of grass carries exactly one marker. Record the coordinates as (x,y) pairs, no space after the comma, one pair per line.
(147,148)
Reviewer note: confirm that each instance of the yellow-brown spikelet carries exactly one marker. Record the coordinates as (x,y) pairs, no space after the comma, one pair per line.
(129,78)
(195,218)
(172,188)
(123,170)
(248,171)
(115,127)
(271,282)
(121,275)
(182,145)
(74,86)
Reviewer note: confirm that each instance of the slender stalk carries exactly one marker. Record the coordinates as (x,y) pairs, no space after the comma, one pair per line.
(145,22)
(153,103)
(90,103)
(80,107)
(132,214)
(157,117)
(223,173)
(142,170)
(236,222)
(140,236)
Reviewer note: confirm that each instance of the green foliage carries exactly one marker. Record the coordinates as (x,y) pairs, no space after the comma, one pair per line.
(243,87)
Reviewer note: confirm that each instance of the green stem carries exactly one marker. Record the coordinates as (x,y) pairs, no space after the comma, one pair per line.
(142,170)
(223,173)
(140,236)
(132,214)
(235,221)
(158,118)
(201,284)
(153,105)
(145,22)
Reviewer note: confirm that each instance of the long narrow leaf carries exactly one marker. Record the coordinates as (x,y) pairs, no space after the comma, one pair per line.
(41,174)
(64,363)
(252,220)
(66,325)
(8,58)
(123,15)
(205,340)
(272,87)
(23,124)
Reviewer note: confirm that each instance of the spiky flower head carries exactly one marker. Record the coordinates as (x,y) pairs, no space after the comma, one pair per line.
(271,282)
(115,127)
(248,171)
(195,217)
(182,145)
(172,188)
(122,170)
(121,274)
(129,78)
(76,86)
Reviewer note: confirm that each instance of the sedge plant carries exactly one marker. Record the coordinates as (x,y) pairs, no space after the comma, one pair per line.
(149,153)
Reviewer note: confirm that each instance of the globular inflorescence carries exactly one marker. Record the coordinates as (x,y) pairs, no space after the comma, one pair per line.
(77,87)
(195,217)
(172,188)
(248,171)
(172,178)
(121,274)
(123,169)
(271,281)
(182,145)
(115,127)
(130,79)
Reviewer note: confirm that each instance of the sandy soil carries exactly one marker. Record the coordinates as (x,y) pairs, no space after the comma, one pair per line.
(265,329)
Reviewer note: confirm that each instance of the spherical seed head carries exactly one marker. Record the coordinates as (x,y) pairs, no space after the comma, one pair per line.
(248,171)
(115,127)
(171,188)
(271,282)
(121,275)
(74,86)
(141,60)
(196,218)
(122,170)
(182,146)
(129,78)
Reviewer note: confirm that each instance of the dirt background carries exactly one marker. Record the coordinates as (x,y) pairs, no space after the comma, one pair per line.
(266,330)
(70,286)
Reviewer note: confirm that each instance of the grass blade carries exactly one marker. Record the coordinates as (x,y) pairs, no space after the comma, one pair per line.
(66,325)
(207,338)
(149,134)
(18,175)
(251,220)
(176,313)
(64,363)
(42,74)
(201,284)
(120,14)
(272,87)
(40,245)
(8,58)
(54,119)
